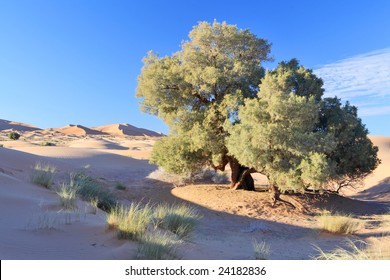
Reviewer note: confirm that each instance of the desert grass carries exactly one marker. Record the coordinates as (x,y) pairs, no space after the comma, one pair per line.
(67,197)
(157,246)
(378,249)
(261,249)
(130,222)
(339,223)
(43,174)
(94,202)
(89,188)
(179,219)
(47,221)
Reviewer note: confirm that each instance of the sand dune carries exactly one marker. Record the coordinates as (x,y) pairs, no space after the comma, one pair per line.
(78,130)
(126,130)
(377,185)
(96,144)
(16,126)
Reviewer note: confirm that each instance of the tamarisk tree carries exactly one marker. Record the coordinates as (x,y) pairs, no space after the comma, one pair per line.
(223,109)
(299,140)
(199,88)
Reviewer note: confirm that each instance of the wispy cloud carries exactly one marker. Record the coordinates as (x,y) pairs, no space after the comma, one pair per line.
(363,79)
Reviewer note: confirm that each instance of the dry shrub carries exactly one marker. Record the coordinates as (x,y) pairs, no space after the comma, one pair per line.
(377,249)
(339,223)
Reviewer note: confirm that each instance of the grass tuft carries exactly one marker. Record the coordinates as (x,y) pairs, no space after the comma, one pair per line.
(43,174)
(179,219)
(261,250)
(89,189)
(94,202)
(157,246)
(339,223)
(67,196)
(379,249)
(130,222)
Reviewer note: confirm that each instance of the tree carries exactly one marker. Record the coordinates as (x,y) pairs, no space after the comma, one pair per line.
(354,156)
(199,88)
(221,108)
(297,139)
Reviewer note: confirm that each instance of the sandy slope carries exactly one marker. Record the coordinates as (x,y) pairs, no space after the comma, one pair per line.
(231,219)
(16,126)
(78,130)
(126,129)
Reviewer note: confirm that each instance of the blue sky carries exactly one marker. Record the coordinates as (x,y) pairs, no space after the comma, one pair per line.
(85,56)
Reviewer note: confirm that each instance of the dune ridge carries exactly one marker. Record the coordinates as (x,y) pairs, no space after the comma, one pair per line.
(117,130)
(126,130)
(17,126)
(77,129)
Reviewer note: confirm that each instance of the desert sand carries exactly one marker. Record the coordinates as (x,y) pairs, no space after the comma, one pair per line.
(34,226)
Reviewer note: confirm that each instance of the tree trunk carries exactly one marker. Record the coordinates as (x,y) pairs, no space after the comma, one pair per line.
(275,194)
(241,176)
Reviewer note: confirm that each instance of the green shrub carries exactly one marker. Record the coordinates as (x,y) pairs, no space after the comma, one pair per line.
(179,219)
(157,246)
(43,174)
(13,135)
(1,145)
(339,223)
(89,189)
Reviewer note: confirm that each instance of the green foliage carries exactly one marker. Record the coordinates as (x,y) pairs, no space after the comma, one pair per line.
(90,189)
(197,89)
(13,135)
(175,155)
(354,156)
(278,129)
(43,174)
(297,139)
(208,93)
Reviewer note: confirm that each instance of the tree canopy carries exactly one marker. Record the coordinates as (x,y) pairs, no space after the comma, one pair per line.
(222,108)
(197,89)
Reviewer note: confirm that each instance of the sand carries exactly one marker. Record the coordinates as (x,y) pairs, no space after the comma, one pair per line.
(34,226)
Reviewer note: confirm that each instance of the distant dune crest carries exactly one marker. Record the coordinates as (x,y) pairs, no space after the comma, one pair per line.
(80,130)
(126,130)
(16,126)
